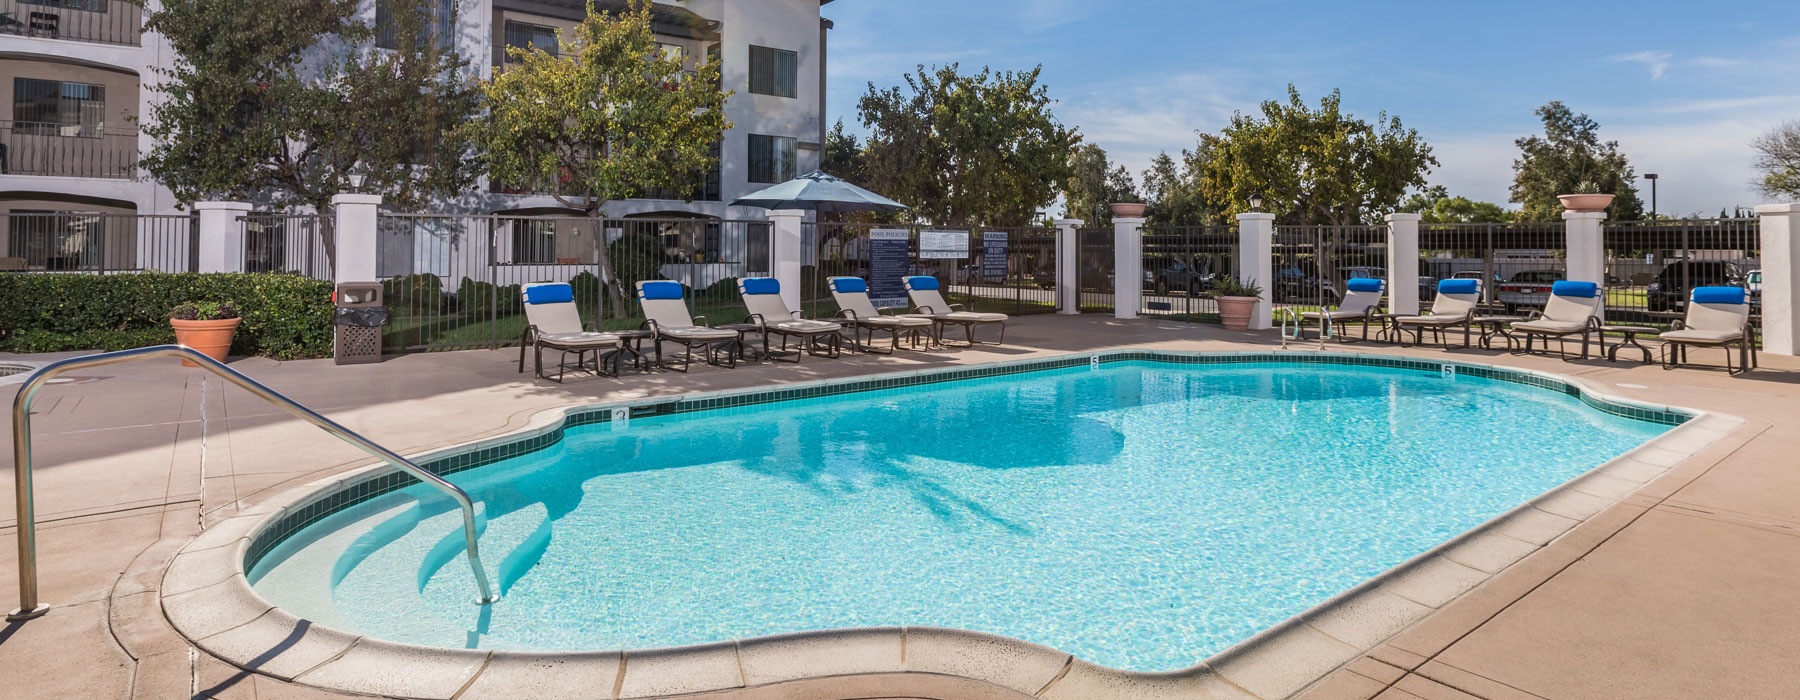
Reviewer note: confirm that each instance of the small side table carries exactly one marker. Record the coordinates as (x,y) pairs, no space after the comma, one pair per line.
(1631,333)
(634,344)
(1496,325)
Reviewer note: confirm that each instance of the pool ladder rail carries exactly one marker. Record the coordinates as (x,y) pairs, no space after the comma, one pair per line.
(1292,328)
(30,607)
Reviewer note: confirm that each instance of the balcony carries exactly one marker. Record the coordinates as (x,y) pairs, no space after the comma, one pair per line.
(116,22)
(67,150)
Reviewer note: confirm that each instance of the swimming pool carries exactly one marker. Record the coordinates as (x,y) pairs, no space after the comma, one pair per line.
(1141,515)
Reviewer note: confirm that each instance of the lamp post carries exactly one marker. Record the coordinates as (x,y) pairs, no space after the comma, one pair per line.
(1652,177)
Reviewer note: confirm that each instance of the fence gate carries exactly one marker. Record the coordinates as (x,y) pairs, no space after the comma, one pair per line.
(1094,265)
(291,243)
(1180,266)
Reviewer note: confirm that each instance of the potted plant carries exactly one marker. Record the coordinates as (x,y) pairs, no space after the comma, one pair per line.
(205,326)
(1130,208)
(1587,198)
(1238,298)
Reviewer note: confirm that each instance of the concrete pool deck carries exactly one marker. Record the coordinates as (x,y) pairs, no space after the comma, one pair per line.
(1679,590)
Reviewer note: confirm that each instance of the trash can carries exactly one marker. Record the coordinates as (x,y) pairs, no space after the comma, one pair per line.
(358,320)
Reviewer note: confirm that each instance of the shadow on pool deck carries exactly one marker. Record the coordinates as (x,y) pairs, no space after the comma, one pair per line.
(1679,591)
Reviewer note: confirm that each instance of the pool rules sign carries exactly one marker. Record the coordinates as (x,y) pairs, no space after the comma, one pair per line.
(889,252)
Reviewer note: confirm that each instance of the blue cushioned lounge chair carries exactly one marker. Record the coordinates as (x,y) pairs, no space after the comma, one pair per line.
(1717,317)
(554,322)
(1455,306)
(771,315)
(929,302)
(855,307)
(1573,309)
(666,313)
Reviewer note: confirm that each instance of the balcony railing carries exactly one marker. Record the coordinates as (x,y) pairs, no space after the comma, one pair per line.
(97,21)
(67,150)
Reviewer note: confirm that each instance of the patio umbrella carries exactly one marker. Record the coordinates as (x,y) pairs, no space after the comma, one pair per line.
(818,191)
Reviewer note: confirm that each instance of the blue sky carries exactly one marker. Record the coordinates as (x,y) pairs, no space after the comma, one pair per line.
(1683,86)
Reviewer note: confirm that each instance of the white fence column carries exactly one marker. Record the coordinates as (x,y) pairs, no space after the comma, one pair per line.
(1256,262)
(1585,234)
(1068,246)
(1780,278)
(221,236)
(785,252)
(357,227)
(1403,263)
(1128,266)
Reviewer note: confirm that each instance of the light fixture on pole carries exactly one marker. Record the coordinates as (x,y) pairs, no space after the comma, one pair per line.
(356,182)
(1256,202)
(1652,177)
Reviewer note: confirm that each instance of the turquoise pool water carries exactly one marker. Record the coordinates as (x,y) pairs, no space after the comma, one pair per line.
(1141,515)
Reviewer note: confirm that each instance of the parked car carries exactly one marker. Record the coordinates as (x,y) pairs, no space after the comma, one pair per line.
(1670,290)
(1528,289)
(1753,283)
(1179,276)
(1091,279)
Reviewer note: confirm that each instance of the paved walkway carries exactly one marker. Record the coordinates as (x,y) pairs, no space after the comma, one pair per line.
(1684,590)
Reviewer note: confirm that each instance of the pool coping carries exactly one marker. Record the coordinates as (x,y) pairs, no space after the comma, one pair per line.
(208,599)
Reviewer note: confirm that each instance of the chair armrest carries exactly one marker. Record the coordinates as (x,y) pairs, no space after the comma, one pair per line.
(702,321)
(924,310)
(531,332)
(1678,325)
(956,307)
(754,318)
(1535,315)
(847,313)
(796,315)
(648,324)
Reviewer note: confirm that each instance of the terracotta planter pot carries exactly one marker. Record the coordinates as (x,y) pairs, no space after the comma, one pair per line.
(210,337)
(1236,312)
(1128,210)
(1585,202)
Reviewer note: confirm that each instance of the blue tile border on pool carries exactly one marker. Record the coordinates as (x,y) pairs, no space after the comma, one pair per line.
(379,483)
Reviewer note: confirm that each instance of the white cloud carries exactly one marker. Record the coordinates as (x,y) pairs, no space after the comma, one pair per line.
(1717,62)
(1135,120)
(1656,61)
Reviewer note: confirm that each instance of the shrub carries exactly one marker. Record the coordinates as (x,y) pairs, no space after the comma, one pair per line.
(479,300)
(285,316)
(203,311)
(413,294)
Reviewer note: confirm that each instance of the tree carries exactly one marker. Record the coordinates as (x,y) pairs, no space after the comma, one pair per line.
(1094,183)
(1778,159)
(1172,192)
(966,150)
(282,103)
(609,117)
(844,156)
(1569,158)
(1312,166)
(1436,206)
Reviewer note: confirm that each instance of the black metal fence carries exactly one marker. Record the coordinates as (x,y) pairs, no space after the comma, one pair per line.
(1652,266)
(1496,254)
(1009,270)
(1095,264)
(1181,264)
(455,281)
(290,243)
(97,21)
(98,242)
(1312,263)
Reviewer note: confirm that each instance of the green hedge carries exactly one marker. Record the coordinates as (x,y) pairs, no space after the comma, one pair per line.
(285,316)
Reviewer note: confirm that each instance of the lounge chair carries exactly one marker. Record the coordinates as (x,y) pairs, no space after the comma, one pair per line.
(1455,306)
(771,315)
(553,321)
(929,302)
(666,313)
(1717,317)
(1362,301)
(852,297)
(1573,309)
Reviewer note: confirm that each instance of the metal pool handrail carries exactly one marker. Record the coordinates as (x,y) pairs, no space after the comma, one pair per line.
(29,607)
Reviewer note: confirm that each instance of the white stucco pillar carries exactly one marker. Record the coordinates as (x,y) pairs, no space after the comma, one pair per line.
(221,235)
(1780,278)
(1256,262)
(786,256)
(1068,246)
(1584,235)
(1128,266)
(1403,263)
(357,226)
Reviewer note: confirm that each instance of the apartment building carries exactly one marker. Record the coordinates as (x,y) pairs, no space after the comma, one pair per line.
(78,74)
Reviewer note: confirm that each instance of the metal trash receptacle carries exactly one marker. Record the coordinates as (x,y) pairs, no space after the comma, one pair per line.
(358,321)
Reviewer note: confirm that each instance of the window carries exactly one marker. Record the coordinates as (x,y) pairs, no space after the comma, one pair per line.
(534,241)
(437,19)
(773,72)
(89,5)
(771,158)
(56,108)
(529,36)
